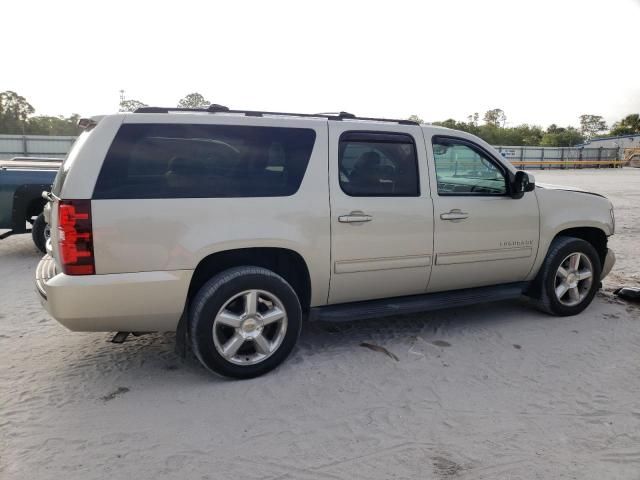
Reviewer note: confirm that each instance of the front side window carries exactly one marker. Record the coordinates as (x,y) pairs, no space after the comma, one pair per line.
(463,169)
(378,165)
(204,161)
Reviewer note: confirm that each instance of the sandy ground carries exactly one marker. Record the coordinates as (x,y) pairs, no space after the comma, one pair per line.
(498,391)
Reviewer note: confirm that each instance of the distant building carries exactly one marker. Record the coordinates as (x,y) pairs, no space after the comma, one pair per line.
(622,142)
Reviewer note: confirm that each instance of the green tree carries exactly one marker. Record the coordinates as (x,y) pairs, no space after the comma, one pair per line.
(47,125)
(495,117)
(496,135)
(131,105)
(454,124)
(629,125)
(450,123)
(591,125)
(561,137)
(415,118)
(194,100)
(553,128)
(14,111)
(522,135)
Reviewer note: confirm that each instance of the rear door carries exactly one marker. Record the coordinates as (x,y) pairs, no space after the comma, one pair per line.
(482,235)
(381,211)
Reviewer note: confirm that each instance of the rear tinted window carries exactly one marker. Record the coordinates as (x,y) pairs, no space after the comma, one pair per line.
(196,161)
(378,165)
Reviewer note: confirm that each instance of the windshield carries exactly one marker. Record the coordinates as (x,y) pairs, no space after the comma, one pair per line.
(58,182)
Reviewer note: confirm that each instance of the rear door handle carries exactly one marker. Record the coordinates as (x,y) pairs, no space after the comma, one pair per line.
(455,214)
(355,217)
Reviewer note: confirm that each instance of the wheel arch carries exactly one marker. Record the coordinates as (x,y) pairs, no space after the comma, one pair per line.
(287,263)
(593,235)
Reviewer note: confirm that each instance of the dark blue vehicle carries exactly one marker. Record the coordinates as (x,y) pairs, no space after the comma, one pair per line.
(22,181)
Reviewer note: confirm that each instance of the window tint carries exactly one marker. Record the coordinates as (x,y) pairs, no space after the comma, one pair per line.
(463,170)
(378,165)
(197,161)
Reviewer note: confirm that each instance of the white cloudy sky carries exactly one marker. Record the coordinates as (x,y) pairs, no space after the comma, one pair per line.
(541,61)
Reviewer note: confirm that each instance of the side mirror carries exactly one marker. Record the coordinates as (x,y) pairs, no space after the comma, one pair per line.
(521,184)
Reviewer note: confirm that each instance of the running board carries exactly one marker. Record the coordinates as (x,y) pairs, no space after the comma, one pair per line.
(387,307)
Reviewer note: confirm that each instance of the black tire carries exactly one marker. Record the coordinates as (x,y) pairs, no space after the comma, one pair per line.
(39,233)
(213,296)
(560,249)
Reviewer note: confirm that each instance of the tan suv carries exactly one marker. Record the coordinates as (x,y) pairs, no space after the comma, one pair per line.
(231,226)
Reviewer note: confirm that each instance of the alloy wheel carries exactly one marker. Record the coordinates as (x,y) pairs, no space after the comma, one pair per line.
(573,279)
(249,327)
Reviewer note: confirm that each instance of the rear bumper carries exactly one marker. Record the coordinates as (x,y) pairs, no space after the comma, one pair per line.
(130,302)
(609,262)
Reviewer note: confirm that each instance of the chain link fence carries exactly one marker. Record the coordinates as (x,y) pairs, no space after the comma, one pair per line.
(561,157)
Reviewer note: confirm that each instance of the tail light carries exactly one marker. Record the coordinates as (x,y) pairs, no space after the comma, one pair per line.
(75,237)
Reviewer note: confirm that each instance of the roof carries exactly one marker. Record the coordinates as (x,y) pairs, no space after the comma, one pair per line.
(611,138)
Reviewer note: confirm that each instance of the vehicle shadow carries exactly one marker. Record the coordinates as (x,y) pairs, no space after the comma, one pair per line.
(155,352)
(451,322)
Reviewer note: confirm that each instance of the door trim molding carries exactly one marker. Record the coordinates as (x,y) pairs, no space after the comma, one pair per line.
(456,258)
(386,263)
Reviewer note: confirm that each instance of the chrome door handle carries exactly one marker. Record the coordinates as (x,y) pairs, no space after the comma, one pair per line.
(455,214)
(355,217)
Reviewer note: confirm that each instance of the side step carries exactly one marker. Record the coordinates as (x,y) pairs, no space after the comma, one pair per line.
(387,307)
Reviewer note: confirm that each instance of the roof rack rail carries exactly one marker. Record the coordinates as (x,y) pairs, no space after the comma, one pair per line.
(215,108)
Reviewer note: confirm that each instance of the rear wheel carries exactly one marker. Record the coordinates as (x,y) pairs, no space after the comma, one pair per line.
(244,322)
(569,277)
(40,233)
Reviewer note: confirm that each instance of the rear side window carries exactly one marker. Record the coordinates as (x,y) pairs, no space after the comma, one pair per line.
(378,165)
(200,161)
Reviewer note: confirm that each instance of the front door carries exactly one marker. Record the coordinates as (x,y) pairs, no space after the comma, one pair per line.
(482,236)
(381,211)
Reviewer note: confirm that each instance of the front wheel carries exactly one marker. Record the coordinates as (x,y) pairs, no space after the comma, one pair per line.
(569,277)
(244,322)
